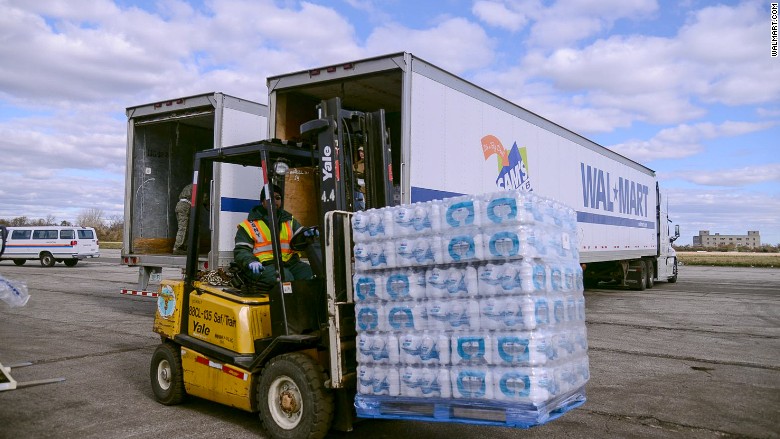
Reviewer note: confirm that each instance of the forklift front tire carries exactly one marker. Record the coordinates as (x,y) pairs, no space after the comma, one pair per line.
(294,403)
(166,375)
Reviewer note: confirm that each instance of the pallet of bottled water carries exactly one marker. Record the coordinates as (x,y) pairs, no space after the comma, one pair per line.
(470,309)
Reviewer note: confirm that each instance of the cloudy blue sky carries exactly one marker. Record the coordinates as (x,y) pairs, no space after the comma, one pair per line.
(687,87)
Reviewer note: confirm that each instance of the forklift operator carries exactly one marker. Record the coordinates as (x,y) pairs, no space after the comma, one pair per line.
(253,251)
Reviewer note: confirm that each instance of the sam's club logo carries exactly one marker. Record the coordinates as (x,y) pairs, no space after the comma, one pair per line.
(512,164)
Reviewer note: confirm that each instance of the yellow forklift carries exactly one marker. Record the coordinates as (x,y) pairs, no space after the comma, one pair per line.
(288,353)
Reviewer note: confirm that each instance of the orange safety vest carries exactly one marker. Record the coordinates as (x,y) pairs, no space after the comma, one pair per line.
(263,248)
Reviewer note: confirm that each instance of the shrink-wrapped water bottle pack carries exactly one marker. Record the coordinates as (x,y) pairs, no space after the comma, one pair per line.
(470,302)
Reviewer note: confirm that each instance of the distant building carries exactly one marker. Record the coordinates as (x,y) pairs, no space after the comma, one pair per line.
(704,239)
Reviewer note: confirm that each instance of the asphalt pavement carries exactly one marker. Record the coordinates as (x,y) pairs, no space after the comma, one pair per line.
(695,359)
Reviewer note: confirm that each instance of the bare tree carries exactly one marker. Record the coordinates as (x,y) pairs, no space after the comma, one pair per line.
(19,221)
(90,218)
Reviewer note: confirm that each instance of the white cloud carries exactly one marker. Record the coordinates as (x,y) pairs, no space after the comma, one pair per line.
(498,14)
(37,195)
(744,176)
(565,23)
(455,44)
(719,56)
(684,140)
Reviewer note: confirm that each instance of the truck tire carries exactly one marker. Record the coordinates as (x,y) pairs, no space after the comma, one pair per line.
(19,261)
(166,374)
(673,279)
(649,274)
(47,260)
(292,398)
(70,262)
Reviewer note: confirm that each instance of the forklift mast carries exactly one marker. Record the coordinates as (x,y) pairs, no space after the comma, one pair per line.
(333,141)
(338,133)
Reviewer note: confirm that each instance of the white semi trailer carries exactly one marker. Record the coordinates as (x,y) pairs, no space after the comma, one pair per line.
(448,137)
(162,139)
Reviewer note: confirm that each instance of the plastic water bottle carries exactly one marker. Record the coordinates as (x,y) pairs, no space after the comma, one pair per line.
(463,247)
(512,279)
(386,381)
(451,283)
(558,310)
(408,284)
(422,382)
(428,348)
(369,286)
(512,385)
(462,315)
(365,379)
(381,254)
(531,241)
(499,208)
(472,382)
(491,313)
(571,307)
(489,277)
(503,243)
(404,251)
(462,282)
(360,226)
(361,252)
(416,251)
(426,218)
(541,277)
(403,220)
(453,315)
(380,223)
(14,293)
(370,317)
(511,349)
(541,312)
(377,348)
(460,212)
(473,348)
(378,380)
(406,316)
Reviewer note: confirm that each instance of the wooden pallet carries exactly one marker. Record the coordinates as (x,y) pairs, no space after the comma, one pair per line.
(481,412)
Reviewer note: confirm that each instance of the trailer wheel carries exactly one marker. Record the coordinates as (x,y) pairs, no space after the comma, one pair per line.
(71,262)
(649,273)
(166,374)
(292,398)
(19,261)
(47,260)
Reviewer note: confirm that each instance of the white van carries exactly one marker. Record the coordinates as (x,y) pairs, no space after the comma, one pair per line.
(51,244)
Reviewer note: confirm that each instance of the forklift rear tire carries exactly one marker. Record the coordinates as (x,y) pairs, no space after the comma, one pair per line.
(166,375)
(19,261)
(292,398)
(71,262)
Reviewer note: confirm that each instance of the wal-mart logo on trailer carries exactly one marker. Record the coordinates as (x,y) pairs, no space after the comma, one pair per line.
(512,164)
